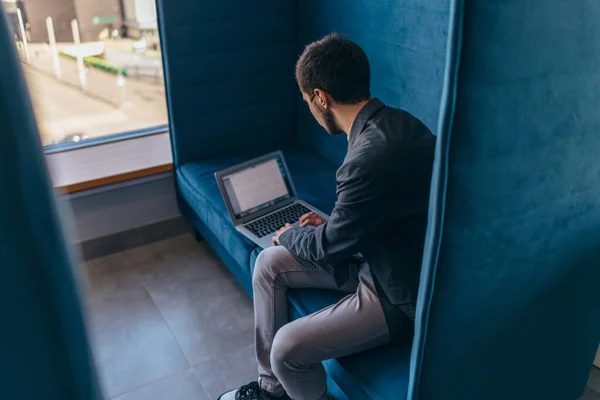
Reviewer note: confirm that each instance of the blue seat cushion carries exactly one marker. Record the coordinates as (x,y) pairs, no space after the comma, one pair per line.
(314,178)
(379,374)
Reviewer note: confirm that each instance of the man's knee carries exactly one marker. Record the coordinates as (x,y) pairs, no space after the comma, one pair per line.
(290,349)
(269,264)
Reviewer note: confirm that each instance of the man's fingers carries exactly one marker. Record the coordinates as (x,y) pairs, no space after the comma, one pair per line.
(307,216)
(288,226)
(309,221)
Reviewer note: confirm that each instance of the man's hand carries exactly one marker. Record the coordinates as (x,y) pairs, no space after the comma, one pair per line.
(312,219)
(279,232)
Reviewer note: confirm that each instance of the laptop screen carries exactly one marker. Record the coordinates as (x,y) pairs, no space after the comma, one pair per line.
(257,187)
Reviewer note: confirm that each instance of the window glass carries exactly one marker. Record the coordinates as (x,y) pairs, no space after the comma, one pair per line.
(93,68)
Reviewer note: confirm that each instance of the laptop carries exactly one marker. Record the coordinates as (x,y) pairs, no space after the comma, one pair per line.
(261,198)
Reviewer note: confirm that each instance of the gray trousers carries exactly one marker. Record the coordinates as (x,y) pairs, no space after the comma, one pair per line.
(289,354)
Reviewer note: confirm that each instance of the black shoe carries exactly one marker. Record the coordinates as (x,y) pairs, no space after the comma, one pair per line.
(251,391)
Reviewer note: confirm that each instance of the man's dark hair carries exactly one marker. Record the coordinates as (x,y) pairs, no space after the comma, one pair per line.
(336,65)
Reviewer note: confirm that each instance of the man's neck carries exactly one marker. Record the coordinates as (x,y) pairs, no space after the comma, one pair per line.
(346,114)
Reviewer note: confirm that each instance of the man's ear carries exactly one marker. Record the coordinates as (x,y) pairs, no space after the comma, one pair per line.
(323,98)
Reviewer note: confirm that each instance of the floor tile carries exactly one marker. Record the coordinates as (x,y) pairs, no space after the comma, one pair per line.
(181,386)
(227,372)
(207,311)
(138,265)
(171,253)
(590,394)
(104,276)
(594,381)
(133,344)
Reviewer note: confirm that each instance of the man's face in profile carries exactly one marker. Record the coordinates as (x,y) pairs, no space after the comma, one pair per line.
(324,116)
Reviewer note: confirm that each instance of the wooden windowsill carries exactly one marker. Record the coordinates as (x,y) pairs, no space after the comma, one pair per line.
(109,180)
(105,164)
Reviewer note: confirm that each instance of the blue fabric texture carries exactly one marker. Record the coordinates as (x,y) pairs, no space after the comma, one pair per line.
(509,303)
(229,70)
(240,271)
(43,340)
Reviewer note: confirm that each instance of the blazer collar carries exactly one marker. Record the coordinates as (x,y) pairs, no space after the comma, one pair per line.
(363,116)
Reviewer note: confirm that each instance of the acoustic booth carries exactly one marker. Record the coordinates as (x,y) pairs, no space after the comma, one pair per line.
(508,305)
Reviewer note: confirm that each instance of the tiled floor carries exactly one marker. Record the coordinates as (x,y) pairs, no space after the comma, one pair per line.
(168,321)
(592,392)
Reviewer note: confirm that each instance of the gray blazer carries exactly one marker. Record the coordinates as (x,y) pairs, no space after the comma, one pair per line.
(381,209)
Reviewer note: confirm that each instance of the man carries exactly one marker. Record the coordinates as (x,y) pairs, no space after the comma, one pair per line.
(371,246)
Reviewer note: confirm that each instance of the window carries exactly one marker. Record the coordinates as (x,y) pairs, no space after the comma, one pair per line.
(93,68)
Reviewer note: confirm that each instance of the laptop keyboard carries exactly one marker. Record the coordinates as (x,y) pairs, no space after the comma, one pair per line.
(269,224)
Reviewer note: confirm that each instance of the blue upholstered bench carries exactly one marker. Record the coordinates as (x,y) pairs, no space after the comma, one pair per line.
(373,374)
(232,96)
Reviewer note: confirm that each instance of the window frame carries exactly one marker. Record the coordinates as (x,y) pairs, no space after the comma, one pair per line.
(105,139)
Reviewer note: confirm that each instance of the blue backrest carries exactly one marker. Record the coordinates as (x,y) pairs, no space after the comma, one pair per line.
(229,68)
(509,305)
(44,352)
(406,44)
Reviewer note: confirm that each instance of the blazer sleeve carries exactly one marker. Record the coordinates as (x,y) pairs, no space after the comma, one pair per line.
(359,213)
